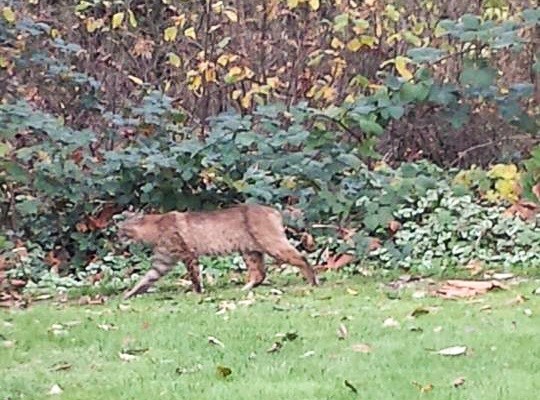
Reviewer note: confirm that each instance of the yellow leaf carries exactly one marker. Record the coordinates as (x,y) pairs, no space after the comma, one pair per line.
(174,60)
(190,33)
(335,43)
(273,82)
(401,67)
(248,73)
(136,80)
(235,71)
(169,34)
(369,41)
(507,189)
(210,75)
(292,4)
(132,19)
(349,99)
(223,60)
(235,95)
(314,4)
(9,14)
(246,100)
(3,62)
(328,93)
(93,24)
(231,14)
(117,20)
(503,171)
(354,45)
(54,33)
(195,83)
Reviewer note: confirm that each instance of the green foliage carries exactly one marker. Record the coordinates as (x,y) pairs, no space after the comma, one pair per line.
(441,230)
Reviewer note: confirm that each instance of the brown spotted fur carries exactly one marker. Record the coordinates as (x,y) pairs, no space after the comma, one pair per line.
(252,230)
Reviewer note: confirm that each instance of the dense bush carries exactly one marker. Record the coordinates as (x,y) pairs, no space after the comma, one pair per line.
(63,175)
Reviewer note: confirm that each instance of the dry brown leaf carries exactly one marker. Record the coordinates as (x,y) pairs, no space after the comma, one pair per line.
(475,267)
(394,226)
(526,210)
(536,190)
(456,288)
(308,242)
(335,261)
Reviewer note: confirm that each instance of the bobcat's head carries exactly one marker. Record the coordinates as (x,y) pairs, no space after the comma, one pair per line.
(138,227)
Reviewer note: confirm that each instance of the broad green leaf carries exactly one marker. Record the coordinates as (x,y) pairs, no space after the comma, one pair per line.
(478,77)
(369,126)
(425,54)
(470,22)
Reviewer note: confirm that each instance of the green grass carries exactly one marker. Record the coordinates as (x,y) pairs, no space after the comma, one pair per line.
(503,359)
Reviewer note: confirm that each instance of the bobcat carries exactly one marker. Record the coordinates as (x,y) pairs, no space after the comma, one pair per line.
(251,230)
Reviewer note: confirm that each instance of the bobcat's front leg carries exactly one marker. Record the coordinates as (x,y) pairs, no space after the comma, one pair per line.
(162,263)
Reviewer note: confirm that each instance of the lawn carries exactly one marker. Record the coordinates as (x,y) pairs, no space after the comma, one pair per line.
(348,339)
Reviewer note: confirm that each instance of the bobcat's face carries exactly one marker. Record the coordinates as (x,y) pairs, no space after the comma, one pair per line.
(135,229)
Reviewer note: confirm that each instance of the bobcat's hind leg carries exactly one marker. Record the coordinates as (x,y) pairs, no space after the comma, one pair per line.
(287,254)
(256,272)
(192,265)
(162,263)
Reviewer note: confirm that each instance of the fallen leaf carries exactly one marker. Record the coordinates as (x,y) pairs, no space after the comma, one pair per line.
(453,351)
(361,348)
(462,288)
(223,372)
(437,329)
(536,291)
(528,312)
(127,357)
(191,370)
(390,323)
(61,366)
(458,381)
(350,386)
(215,341)
(352,291)
(336,261)
(7,344)
(536,190)
(526,210)
(475,267)
(503,276)
(419,311)
(394,226)
(423,388)
(55,389)
(519,299)
(107,327)
(307,354)
(276,346)
(342,332)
